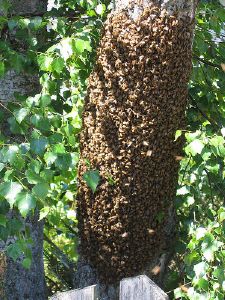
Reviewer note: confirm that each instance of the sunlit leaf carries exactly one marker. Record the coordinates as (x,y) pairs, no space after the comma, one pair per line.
(10,190)
(92,179)
(21,114)
(200,269)
(25,203)
(41,190)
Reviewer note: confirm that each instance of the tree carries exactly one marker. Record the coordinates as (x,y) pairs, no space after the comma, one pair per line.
(42,154)
(136,102)
(23,277)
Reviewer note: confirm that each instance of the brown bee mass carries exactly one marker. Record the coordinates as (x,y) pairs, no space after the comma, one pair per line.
(136,101)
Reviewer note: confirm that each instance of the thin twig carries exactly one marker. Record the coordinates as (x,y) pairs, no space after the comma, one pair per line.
(65,260)
(210,184)
(69,227)
(194,102)
(2,105)
(206,62)
(185,170)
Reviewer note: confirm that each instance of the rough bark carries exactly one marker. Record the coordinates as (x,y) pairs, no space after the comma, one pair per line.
(16,83)
(27,7)
(121,236)
(18,283)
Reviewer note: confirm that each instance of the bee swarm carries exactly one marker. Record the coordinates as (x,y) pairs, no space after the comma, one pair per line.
(136,101)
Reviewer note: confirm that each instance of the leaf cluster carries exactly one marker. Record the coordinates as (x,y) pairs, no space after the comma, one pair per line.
(39,135)
(200,195)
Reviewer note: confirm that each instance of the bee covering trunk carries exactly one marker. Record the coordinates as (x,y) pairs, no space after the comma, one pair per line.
(136,101)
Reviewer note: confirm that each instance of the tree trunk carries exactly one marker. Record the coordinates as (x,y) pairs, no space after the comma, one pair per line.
(18,283)
(136,101)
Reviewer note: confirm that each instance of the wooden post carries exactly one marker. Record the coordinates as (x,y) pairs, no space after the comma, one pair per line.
(88,293)
(140,288)
(136,288)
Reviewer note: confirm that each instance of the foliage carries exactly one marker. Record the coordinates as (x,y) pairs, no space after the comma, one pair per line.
(201,193)
(39,148)
(92,178)
(38,159)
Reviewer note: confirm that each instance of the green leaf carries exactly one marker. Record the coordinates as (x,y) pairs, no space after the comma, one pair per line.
(50,158)
(65,48)
(10,190)
(25,202)
(203,284)
(58,65)
(190,200)
(38,146)
(24,23)
(15,127)
(15,226)
(71,214)
(4,233)
(2,69)
(200,233)
(32,177)
(41,190)
(100,9)
(44,212)
(35,166)
(12,24)
(45,62)
(92,178)
(81,45)
(178,293)
(58,149)
(40,122)
(178,134)
(8,176)
(3,220)
(63,161)
(35,23)
(223,132)
(200,269)
(191,258)
(209,247)
(219,274)
(2,166)
(222,216)
(183,191)
(21,114)
(33,101)
(11,154)
(26,263)
(195,147)
(14,251)
(45,100)
(56,138)
(47,175)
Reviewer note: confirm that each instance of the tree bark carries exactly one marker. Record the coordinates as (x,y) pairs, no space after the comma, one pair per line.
(18,283)
(136,101)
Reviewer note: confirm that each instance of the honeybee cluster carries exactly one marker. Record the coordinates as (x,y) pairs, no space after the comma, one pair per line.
(136,101)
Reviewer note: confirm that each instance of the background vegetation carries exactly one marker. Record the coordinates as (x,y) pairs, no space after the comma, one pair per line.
(39,146)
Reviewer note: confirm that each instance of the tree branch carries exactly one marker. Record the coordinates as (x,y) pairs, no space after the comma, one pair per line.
(206,62)
(58,252)
(194,102)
